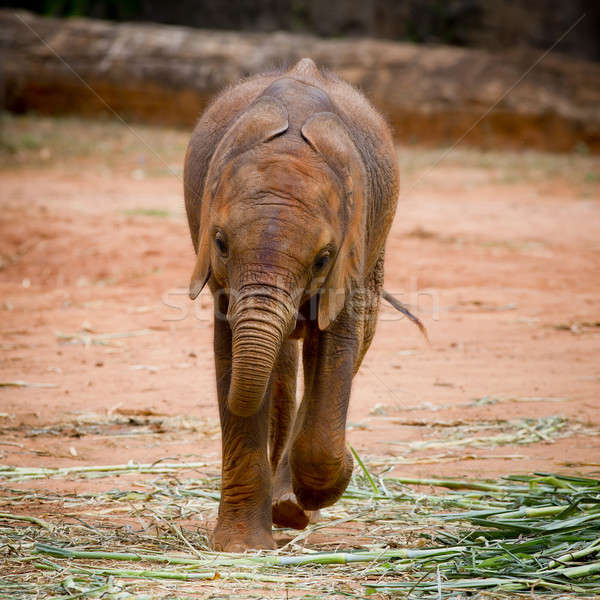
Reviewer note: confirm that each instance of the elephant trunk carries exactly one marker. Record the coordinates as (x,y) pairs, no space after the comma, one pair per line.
(259,323)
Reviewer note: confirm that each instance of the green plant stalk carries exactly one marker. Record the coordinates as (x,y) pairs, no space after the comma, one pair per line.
(528,512)
(366,472)
(456,484)
(34,520)
(454,584)
(570,556)
(325,558)
(581,571)
(162,574)
(101,468)
(128,556)
(342,558)
(145,574)
(87,592)
(506,584)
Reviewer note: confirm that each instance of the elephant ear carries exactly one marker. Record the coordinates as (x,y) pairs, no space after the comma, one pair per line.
(264,119)
(328,136)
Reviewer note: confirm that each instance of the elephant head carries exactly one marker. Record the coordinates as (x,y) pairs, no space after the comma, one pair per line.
(281,222)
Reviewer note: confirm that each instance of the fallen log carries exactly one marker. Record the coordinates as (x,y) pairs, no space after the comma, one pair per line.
(430,94)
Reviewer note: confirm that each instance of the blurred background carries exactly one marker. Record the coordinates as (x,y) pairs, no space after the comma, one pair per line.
(491,24)
(495,107)
(519,73)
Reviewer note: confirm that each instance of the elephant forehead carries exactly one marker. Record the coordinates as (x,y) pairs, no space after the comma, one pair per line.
(276,224)
(272,230)
(287,179)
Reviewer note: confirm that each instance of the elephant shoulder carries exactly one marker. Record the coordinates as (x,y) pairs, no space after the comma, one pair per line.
(373,138)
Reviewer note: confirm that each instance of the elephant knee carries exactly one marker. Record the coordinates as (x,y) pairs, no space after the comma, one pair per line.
(319,476)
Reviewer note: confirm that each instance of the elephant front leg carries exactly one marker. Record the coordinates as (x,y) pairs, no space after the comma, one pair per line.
(320,463)
(244,519)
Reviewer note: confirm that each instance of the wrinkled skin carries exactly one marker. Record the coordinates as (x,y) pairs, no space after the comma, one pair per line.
(290,188)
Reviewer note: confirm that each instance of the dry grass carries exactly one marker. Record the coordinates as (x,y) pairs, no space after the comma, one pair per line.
(388,536)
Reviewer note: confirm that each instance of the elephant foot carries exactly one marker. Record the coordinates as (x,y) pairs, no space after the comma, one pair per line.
(287,512)
(240,537)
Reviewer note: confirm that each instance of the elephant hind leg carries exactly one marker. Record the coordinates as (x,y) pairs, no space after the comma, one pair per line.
(282,401)
(286,510)
(373,288)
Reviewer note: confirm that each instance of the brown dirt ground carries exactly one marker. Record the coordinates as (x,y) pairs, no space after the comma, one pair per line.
(499,253)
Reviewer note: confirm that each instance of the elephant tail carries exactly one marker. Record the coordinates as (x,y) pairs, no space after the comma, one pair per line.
(404,310)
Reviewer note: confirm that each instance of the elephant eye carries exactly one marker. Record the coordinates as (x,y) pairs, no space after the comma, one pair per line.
(221,243)
(322,261)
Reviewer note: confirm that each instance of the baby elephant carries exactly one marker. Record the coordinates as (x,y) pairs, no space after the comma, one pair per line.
(291,185)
